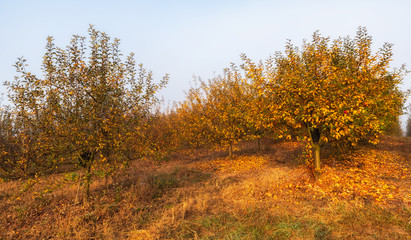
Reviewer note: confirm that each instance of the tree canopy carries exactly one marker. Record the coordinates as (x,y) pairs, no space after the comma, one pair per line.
(335,91)
(94,108)
(88,105)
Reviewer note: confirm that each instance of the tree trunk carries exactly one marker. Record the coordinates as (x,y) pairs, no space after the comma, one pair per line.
(338,155)
(230,150)
(87,184)
(259,143)
(78,189)
(317,160)
(315,135)
(88,177)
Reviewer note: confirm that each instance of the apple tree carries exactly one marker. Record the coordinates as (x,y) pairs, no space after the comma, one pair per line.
(335,91)
(89,103)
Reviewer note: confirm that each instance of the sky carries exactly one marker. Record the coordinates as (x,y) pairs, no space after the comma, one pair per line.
(186,38)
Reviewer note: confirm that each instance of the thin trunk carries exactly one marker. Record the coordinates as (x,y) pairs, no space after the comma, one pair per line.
(106,181)
(88,177)
(338,155)
(230,150)
(259,143)
(78,189)
(315,136)
(88,180)
(317,160)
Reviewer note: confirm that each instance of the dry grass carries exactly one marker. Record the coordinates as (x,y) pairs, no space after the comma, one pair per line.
(203,195)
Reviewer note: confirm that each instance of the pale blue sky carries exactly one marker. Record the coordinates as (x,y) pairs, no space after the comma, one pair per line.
(186,38)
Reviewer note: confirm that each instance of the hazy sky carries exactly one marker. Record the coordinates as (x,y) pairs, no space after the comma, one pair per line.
(193,37)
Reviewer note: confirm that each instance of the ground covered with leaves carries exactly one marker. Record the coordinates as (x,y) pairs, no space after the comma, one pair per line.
(202,194)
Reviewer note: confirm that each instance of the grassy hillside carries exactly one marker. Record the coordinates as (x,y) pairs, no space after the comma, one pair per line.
(201,194)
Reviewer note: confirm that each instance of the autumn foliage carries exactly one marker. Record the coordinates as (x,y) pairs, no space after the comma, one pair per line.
(93,126)
(335,92)
(87,109)
(214,112)
(94,110)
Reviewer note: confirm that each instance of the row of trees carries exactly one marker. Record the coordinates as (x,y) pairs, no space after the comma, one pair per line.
(93,109)
(328,92)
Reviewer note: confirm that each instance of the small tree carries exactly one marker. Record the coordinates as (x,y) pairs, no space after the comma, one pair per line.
(193,122)
(18,150)
(12,164)
(215,112)
(260,112)
(163,133)
(84,108)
